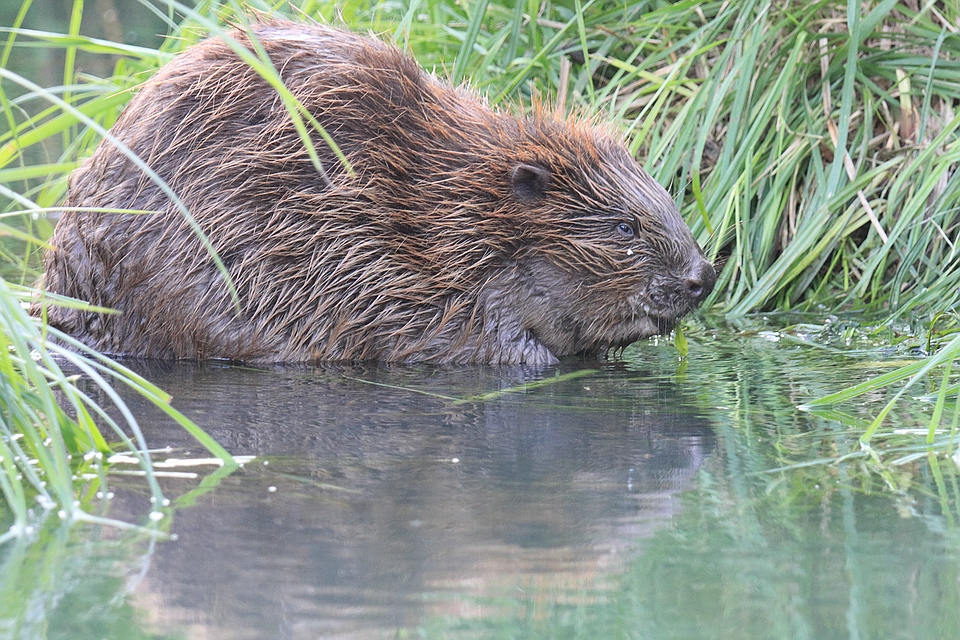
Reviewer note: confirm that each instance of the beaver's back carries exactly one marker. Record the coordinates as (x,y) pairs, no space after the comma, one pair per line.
(456,232)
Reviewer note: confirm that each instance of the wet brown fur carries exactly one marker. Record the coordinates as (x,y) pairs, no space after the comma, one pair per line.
(465,234)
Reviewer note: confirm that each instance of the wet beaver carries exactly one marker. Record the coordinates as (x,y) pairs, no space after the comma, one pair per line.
(462,235)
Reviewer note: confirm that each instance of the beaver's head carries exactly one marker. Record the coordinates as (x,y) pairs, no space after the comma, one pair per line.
(607,259)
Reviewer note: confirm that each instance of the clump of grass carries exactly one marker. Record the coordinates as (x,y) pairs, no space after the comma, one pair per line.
(50,438)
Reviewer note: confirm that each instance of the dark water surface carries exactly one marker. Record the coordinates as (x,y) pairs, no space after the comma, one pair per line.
(371,509)
(634,501)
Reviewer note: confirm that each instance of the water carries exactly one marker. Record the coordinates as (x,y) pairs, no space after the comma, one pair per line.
(632,501)
(380,507)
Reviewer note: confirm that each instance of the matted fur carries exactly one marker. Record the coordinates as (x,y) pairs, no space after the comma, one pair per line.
(465,235)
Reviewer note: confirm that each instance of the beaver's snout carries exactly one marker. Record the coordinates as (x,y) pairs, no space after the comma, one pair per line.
(700,280)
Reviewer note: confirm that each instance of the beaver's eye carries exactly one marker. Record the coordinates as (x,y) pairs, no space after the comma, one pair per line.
(625,230)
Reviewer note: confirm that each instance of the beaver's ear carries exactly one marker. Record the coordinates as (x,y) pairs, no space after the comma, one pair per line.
(530,181)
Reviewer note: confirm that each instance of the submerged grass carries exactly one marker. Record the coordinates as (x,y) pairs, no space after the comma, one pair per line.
(50,438)
(811,147)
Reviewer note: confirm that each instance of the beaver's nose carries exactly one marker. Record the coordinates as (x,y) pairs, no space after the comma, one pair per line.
(700,280)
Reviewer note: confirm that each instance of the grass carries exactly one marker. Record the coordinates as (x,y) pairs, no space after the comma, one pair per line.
(811,147)
(50,440)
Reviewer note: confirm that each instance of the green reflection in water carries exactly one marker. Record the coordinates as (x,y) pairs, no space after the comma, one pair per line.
(846,569)
(73,583)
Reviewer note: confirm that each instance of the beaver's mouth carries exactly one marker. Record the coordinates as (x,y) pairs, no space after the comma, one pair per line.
(664,325)
(603,336)
(638,328)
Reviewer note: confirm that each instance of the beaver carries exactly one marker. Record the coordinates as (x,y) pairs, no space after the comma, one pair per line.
(458,233)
